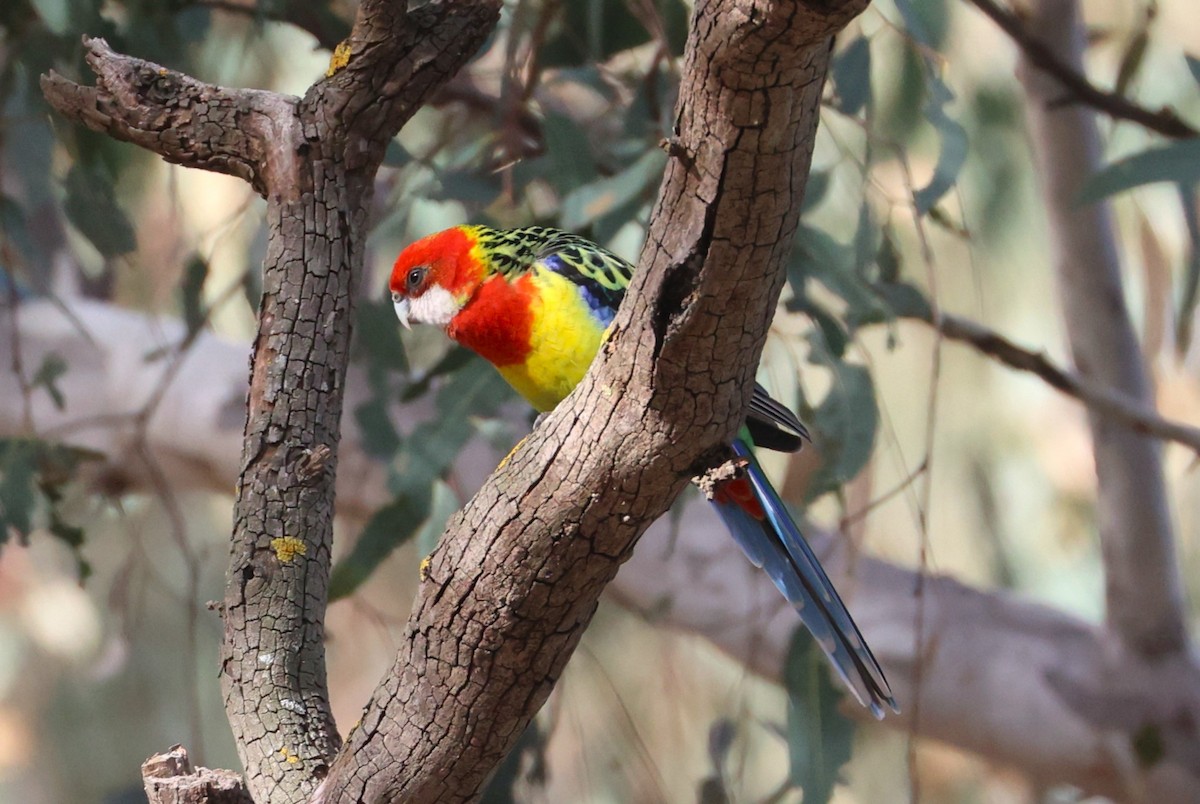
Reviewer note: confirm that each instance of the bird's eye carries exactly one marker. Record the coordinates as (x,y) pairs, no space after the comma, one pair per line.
(413,281)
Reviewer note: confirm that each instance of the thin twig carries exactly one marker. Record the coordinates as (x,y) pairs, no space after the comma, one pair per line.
(1097,397)
(1115,105)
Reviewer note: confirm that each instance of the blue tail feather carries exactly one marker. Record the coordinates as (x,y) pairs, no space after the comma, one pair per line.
(777,546)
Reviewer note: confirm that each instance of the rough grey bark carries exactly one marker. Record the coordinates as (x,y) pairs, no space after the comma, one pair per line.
(517,574)
(314,159)
(1143,588)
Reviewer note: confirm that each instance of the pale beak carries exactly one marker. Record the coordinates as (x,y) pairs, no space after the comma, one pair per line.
(401,306)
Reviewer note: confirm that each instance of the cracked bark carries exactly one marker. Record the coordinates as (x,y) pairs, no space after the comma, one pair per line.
(314,159)
(993,679)
(517,574)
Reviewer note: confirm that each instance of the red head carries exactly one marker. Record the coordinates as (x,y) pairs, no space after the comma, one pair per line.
(435,277)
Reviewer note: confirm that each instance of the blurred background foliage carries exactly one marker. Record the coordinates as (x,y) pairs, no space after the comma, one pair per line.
(921,194)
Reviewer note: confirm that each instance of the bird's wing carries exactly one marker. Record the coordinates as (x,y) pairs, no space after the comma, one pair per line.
(772,425)
(600,275)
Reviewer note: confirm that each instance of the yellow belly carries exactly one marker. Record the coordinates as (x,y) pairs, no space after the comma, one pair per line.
(564,338)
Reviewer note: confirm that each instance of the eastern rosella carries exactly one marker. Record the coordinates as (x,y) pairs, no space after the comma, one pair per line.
(536,303)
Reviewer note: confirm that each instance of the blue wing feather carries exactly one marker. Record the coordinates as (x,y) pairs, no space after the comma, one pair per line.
(777,546)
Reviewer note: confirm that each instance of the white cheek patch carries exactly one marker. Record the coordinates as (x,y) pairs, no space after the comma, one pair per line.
(435,306)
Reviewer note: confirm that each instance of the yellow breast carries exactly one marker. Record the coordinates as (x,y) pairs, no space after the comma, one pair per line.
(564,338)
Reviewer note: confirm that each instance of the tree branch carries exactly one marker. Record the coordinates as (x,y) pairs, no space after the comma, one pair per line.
(1144,597)
(1114,405)
(1069,74)
(516,577)
(314,159)
(989,649)
(183,120)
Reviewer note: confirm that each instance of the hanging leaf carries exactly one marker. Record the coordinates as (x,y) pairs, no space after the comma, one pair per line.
(567,156)
(53,367)
(1194,67)
(91,206)
(33,478)
(815,190)
(852,77)
(391,526)
(1178,162)
(952,152)
(847,420)
(1191,280)
(595,200)
(191,291)
(820,738)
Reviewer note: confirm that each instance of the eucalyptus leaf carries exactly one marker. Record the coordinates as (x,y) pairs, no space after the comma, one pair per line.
(599,198)
(567,154)
(952,151)
(1191,271)
(820,739)
(1177,162)
(91,206)
(1193,67)
(191,290)
(391,526)
(847,420)
(852,77)
(53,367)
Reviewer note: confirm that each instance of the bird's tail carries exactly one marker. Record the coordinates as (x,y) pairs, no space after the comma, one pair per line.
(761,524)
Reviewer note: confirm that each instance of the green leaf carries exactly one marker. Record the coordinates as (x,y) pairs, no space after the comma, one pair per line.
(599,198)
(502,786)
(1194,67)
(820,738)
(567,153)
(475,390)
(91,206)
(377,338)
(191,292)
(821,257)
(53,367)
(1178,162)
(1191,276)
(927,21)
(952,153)
(33,474)
(445,502)
(847,420)
(852,77)
(1132,58)
(18,497)
(455,358)
(391,526)
(396,155)
(815,190)
(380,439)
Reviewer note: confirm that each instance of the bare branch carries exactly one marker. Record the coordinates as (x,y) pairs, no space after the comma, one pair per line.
(1115,405)
(179,118)
(1144,597)
(1070,77)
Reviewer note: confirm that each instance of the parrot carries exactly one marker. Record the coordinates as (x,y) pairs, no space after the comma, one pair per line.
(537,303)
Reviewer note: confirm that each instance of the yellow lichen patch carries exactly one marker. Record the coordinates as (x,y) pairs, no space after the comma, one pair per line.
(289,756)
(505,459)
(340,57)
(287,548)
(424,570)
